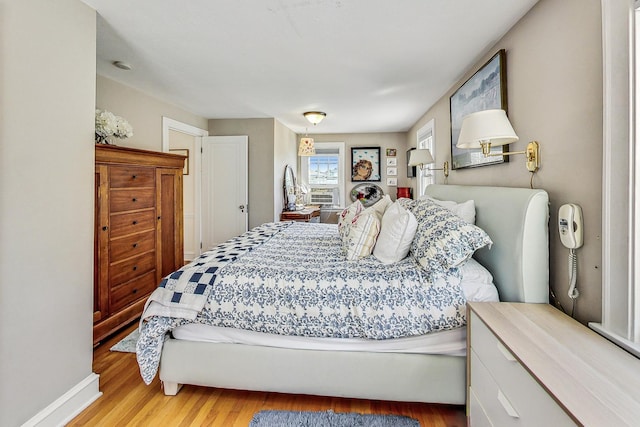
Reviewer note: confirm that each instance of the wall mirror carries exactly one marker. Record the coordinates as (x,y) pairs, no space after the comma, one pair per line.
(289,185)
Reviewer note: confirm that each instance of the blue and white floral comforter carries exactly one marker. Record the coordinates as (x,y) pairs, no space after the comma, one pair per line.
(293,279)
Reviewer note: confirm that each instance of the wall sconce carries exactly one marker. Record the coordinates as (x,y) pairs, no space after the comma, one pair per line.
(422,156)
(306,147)
(314,117)
(485,128)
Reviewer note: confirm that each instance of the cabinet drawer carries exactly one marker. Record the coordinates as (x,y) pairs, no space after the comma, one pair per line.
(131,268)
(129,223)
(128,199)
(131,176)
(514,383)
(131,291)
(477,415)
(132,245)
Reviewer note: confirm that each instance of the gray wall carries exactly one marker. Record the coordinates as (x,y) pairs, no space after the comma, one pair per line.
(554,85)
(47,102)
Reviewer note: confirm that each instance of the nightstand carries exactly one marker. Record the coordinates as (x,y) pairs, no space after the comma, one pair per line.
(530,364)
(308,214)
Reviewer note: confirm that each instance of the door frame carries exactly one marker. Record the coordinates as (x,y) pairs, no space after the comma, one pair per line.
(169,124)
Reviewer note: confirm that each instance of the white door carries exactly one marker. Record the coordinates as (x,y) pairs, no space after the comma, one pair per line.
(224,188)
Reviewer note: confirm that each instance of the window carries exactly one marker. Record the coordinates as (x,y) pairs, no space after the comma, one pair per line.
(426,138)
(620,180)
(324,174)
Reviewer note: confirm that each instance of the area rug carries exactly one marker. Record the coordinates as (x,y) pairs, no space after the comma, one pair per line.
(128,343)
(329,419)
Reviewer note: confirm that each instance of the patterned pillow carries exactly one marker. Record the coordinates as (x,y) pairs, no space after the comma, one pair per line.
(408,204)
(361,236)
(444,240)
(346,216)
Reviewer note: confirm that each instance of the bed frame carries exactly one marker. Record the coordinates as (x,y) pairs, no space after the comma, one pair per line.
(517,221)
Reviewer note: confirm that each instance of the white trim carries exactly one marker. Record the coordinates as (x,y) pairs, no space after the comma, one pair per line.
(617,171)
(170,124)
(69,405)
(631,347)
(428,130)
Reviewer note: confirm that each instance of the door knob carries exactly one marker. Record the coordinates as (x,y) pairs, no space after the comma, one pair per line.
(241,207)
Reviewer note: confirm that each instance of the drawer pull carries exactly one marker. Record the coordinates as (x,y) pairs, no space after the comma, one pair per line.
(506,353)
(507,405)
(135,291)
(135,245)
(133,177)
(135,200)
(135,222)
(135,267)
(105,228)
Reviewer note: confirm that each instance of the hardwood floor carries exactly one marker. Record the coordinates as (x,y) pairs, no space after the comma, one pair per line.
(127,401)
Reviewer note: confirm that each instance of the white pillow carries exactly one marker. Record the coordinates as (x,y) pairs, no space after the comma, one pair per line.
(380,206)
(361,236)
(477,283)
(465,210)
(394,241)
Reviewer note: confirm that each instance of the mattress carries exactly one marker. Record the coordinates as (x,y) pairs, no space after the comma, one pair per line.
(477,285)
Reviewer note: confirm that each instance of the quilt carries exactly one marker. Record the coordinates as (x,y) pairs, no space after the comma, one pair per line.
(293,279)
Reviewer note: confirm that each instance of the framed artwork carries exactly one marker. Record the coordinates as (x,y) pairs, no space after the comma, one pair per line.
(392,171)
(365,164)
(392,161)
(485,90)
(182,152)
(391,152)
(392,182)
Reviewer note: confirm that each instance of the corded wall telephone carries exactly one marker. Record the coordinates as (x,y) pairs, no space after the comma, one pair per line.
(570,227)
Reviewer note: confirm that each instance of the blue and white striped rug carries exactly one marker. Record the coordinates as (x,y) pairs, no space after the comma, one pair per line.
(329,419)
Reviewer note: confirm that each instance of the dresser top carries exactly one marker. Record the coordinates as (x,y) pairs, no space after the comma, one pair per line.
(124,155)
(595,381)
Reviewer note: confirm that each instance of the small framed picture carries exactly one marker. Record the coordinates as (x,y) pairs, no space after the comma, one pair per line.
(392,161)
(392,171)
(392,182)
(391,152)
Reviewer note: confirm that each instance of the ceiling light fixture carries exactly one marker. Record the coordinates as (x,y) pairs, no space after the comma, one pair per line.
(122,65)
(314,117)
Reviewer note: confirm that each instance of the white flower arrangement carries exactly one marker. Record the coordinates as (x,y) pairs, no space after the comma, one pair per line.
(109,125)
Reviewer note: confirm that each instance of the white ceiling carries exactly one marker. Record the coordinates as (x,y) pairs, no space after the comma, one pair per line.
(371,65)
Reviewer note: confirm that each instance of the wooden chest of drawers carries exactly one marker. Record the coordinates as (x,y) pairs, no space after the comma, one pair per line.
(139,235)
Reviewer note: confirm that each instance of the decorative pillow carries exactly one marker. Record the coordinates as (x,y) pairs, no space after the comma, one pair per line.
(394,241)
(408,204)
(380,206)
(361,236)
(347,215)
(465,210)
(444,240)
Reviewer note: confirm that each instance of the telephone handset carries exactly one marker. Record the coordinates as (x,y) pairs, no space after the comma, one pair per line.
(570,225)
(570,228)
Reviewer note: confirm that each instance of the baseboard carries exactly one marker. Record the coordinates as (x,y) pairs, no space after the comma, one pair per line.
(69,405)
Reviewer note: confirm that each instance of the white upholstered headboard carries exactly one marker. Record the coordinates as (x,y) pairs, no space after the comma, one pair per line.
(517,220)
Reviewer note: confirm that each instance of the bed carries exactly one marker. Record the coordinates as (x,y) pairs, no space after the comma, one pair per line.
(516,221)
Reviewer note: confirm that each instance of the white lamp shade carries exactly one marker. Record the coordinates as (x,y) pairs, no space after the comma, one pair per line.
(306,147)
(486,126)
(419,157)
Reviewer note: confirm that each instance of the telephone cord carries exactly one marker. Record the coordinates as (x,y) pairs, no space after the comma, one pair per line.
(573,275)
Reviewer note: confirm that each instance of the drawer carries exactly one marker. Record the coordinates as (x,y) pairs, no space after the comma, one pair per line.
(126,270)
(132,245)
(131,176)
(129,223)
(131,291)
(128,199)
(516,385)
(477,415)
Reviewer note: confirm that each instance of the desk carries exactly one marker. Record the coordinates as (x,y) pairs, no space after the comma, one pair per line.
(308,214)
